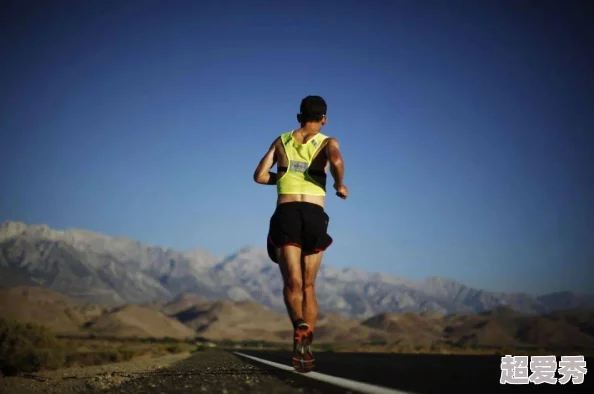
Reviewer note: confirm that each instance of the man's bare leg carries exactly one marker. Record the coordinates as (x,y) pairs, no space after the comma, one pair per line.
(289,261)
(310,266)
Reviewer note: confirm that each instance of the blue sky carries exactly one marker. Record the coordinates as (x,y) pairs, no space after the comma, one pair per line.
(466,129)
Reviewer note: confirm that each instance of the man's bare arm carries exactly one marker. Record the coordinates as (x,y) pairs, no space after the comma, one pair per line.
(336,167)
(335,159)
(263,175)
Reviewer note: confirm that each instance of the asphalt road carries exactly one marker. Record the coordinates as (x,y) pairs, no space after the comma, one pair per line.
(423,374)
(225,372)
(221,372)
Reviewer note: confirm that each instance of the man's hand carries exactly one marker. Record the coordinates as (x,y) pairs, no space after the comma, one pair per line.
(341,190)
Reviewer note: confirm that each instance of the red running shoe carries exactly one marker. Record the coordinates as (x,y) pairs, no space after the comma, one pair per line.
(303,359)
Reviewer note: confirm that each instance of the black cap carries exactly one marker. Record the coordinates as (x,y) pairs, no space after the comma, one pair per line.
(313,107)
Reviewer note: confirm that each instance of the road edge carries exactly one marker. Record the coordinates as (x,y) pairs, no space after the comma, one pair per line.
(354,385)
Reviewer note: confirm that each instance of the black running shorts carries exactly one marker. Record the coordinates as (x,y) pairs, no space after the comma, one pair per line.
(301,224)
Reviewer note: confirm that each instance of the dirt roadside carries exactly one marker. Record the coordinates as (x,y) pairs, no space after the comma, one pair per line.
(89,379)
(210,371)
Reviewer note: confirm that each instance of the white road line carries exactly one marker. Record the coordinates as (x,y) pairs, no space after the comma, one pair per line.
(341,382)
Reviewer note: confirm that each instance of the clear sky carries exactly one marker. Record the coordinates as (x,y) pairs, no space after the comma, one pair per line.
(467,130)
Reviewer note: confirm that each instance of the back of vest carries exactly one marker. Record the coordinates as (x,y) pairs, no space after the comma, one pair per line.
(297,179)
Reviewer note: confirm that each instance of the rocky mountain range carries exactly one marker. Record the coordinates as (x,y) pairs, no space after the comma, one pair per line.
(99,269)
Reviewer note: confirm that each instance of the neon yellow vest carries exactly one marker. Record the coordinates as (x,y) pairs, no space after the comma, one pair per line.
(297,179)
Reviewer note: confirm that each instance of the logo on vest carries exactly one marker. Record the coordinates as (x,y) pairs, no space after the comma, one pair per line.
(298,166)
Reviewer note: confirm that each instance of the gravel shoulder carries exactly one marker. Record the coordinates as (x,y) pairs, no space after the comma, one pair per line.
(90,379)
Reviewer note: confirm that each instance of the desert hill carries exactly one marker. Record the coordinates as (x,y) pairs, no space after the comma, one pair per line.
(41,305)
(505,326)
(243,320)
(180,303)
(582,319)
(190,315)
(63,315)
(138,321)
(410,328)
(250,321)
(500,327)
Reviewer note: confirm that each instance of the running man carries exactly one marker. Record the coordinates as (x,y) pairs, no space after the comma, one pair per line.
(297,237)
